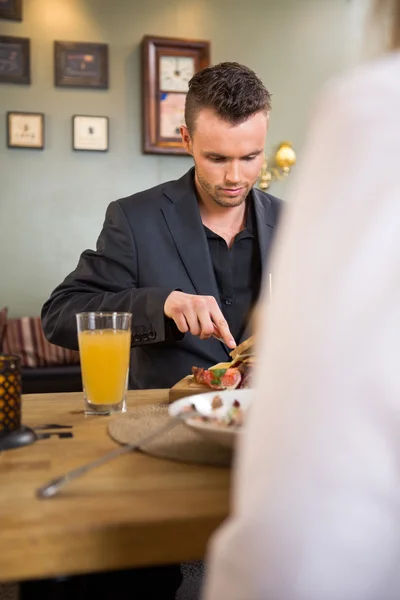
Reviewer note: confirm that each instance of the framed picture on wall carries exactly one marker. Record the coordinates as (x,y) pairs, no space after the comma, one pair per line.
(90,133)
(14,60)
(168,64)
(11,9)
(81,64)
(25,130)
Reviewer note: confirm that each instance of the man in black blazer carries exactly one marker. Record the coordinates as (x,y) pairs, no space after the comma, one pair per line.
(185,257)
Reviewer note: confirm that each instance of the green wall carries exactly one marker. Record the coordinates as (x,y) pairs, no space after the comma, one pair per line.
(52,202)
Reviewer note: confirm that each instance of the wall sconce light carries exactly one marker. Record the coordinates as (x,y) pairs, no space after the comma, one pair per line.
(284,159)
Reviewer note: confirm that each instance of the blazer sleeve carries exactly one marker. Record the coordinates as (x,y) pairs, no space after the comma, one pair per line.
(106,280)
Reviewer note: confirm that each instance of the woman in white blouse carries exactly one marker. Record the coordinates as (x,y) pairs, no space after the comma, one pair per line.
(316,499)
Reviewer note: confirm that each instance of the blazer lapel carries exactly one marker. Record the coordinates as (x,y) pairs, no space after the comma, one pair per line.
(265,219)
(184,222)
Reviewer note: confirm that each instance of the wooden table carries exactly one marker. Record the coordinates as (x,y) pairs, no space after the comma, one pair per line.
(134,511)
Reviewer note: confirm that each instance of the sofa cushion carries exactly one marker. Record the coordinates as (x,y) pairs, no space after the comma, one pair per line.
(25,337)
(56,379)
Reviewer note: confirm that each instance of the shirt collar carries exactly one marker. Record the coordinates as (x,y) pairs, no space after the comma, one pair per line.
(248,230)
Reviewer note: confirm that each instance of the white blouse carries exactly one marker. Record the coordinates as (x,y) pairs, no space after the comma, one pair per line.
(316,500)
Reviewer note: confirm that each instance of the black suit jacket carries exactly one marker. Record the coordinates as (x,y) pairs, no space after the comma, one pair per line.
(151,244)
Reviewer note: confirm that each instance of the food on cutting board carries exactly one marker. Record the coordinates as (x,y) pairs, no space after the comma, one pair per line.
(230,375)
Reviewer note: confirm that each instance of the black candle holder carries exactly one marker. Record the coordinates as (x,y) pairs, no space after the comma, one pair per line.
(12,433)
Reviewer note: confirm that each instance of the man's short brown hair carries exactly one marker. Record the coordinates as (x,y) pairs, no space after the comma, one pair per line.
(232,91)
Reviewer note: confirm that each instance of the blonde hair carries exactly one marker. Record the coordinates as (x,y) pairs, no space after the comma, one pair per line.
(389,12)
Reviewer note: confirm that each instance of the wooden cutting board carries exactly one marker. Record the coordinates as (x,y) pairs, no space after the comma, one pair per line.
(186,387)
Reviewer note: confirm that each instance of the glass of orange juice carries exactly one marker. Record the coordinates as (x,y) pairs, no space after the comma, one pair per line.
(104,347)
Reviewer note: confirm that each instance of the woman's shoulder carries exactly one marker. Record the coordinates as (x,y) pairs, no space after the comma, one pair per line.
(367,91)
(377,75)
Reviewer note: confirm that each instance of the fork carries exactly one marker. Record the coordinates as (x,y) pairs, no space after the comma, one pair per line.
(218,337)
(52,487)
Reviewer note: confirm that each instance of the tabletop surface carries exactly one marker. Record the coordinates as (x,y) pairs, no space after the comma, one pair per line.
(133,511)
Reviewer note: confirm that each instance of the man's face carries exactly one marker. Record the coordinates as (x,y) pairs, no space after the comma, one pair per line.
(228,158)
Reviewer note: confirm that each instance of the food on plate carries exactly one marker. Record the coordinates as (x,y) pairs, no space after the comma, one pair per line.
(187,408)
(233,417)
(216,402)
(223,416)
(232,375)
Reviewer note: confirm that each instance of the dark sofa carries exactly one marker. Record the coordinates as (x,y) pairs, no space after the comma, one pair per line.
(44,380)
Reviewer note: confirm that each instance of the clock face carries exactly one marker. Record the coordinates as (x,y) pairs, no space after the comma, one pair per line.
(175,73)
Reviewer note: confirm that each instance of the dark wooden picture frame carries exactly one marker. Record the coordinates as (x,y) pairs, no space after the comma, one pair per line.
(21,134)
(15,61)
(81,64)
(153,49)
(11,9)
(81,140)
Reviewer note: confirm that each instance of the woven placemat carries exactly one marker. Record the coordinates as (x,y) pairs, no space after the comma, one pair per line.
(180,443)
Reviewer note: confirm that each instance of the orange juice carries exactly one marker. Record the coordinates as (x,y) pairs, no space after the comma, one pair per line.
(104,355)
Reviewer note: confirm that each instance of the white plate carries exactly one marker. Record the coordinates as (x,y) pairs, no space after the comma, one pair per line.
(223,435)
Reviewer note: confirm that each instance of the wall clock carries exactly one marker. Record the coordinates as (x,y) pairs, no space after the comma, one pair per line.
(167,66)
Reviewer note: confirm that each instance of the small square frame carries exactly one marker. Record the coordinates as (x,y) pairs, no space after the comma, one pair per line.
(90,133)
(25,130)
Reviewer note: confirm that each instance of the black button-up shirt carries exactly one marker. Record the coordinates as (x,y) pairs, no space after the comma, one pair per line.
(238,273)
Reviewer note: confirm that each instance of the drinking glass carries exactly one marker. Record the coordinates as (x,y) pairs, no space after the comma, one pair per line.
(104,347)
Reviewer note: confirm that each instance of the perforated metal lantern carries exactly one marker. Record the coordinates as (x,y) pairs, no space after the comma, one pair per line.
(10,393)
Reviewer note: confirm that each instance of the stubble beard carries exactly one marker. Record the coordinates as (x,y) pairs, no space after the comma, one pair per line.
(218,197)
